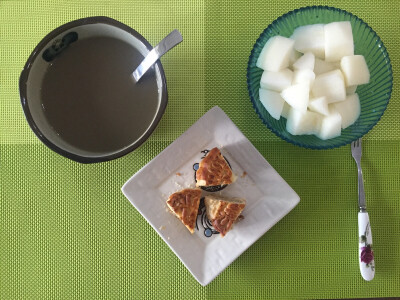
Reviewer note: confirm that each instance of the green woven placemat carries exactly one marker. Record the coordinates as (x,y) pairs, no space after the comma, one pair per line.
(67,232)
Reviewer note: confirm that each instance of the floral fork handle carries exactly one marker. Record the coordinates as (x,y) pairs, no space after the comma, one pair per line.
(366,254)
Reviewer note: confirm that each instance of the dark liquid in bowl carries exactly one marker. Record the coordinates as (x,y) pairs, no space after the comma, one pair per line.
(90,99)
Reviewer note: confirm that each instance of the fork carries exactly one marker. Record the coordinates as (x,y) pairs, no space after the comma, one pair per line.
(365,253)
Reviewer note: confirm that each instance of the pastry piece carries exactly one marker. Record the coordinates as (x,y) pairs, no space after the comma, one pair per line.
(223,212)
(214,170)
(185,205)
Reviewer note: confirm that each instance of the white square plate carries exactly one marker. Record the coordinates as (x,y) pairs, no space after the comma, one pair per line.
(205,253)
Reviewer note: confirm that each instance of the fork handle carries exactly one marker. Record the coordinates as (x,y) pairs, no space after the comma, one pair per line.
(365,253)
(361,193)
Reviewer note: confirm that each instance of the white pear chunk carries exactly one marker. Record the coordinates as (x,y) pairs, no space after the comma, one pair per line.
(331,85)
(349,109)
(294,55)
(272,102)
(275,54)
(303,75)
(310,38)
(330,126)
(355,70)
(276,81)
(297,95)
(319,105)
(338,40)
(350,90)
(336,64)
(306,122)
(285,110)
(306,61)
(322,66)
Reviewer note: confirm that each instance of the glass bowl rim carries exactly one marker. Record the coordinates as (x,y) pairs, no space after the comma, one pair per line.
(288,14)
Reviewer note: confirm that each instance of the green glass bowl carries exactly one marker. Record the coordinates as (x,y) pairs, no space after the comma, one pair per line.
(374,96)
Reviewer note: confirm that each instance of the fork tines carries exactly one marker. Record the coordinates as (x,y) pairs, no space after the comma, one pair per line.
(356,143)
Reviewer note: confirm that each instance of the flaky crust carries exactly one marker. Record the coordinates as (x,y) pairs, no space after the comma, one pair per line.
(185,205)
(223,214)
(214,170)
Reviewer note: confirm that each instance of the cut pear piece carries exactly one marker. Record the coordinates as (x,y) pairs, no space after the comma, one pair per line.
(303,75)
(306,122)
(276,81)
(275,54)
(349,109)
(330,126)
(306,61)
(322,66)
(331,85)
(338,40)
(297,95)
(294,55)
(355,70)
(272,102)
(350,90)
(319,105)
(285,110)
(310,38)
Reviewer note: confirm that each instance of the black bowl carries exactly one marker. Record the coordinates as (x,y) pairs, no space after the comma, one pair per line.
(40,59)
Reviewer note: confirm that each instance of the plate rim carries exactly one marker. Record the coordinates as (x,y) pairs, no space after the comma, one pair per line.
(207,279)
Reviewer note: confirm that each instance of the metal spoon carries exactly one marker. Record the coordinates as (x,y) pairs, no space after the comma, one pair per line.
(166,44)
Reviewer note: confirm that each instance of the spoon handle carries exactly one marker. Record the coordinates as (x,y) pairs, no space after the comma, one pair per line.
(166,44)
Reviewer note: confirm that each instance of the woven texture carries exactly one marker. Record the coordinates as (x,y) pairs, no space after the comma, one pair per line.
(67,232)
